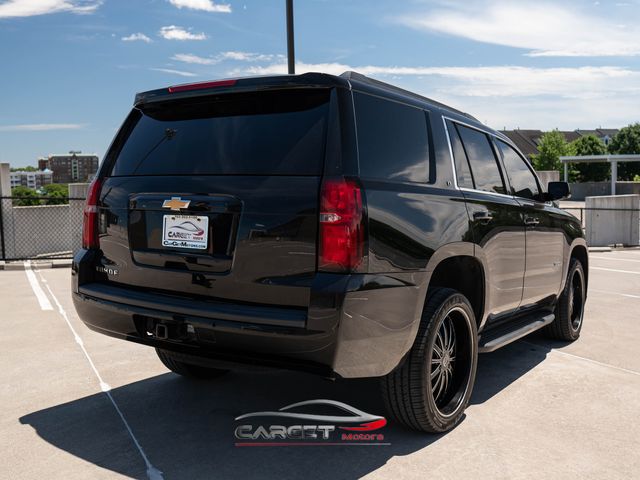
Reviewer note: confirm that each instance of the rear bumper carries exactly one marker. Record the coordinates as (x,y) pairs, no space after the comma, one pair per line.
(355,326)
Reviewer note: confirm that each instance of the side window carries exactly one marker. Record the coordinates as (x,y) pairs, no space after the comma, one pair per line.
(393,140)
(463,173)
(523,182)
(482,160)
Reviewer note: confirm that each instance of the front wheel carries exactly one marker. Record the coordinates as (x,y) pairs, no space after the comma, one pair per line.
(570,308)
(430,390)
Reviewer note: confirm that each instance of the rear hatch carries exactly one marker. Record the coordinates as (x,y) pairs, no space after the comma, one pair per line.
(216,196)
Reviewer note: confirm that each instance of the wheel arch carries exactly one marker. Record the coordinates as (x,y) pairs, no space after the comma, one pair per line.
(576,249)
(580,252)
(456,266)
(448,267)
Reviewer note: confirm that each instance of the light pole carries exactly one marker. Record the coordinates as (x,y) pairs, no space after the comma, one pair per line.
(291,61)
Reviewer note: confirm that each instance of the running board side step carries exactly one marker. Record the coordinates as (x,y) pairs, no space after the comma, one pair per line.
(512,331)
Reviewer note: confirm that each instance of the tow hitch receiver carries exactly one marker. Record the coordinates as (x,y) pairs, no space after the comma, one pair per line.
(162,332)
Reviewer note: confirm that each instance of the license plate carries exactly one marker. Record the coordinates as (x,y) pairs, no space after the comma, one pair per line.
(185,231)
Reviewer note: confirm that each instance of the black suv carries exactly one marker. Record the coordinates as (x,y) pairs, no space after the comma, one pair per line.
(333,224)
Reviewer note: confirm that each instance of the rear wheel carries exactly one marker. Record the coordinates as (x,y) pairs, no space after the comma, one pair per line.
(186,369)
(432,387)
(570,308)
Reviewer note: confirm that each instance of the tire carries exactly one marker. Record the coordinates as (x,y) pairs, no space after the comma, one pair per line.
(569,310)
(186,369)
(411,396)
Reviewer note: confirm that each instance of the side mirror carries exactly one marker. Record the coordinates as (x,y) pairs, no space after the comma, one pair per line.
(558,191)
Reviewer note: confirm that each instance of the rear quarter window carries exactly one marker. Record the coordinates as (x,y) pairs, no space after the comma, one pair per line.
(393,140)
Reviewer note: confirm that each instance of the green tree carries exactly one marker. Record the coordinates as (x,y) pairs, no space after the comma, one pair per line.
(28,168)
(25,196)
(58,193)
(590,172)
(627,142)
(552,146)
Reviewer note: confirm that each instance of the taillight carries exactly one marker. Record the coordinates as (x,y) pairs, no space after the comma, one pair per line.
(341,239)
(90,216)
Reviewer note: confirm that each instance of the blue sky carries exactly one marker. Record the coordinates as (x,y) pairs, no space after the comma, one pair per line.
(70,68)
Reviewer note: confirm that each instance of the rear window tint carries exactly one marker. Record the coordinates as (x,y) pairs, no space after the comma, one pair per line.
(266,133)
(393,140)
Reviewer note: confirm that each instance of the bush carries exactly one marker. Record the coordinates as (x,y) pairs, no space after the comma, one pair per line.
(25,195)
(57,192)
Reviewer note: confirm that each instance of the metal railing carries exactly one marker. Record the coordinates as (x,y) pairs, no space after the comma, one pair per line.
(40,227)
(50,227)
(581,212)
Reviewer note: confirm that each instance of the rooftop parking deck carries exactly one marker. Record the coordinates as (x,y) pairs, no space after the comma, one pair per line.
(76,404)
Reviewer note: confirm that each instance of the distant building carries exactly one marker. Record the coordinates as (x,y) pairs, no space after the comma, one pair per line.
(70,168)
(32,180)
(528,140)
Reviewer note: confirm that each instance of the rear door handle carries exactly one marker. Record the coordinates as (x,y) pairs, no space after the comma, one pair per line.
(482,216)
(531,221)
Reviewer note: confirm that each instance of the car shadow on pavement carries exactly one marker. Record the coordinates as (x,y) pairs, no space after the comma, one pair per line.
(186,427)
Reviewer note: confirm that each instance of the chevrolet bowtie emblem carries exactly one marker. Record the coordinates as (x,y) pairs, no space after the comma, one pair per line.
(176,203)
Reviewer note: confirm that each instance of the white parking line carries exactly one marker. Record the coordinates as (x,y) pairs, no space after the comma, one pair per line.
(44,302)
(628,295)
(614,270)
(152,472)
(621,259)
(602,364)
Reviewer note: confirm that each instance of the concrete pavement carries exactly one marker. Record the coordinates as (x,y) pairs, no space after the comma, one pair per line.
(540,409)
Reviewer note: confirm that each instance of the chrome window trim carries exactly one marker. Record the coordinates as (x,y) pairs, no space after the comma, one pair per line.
(453,163)
(460,122)
(496,194)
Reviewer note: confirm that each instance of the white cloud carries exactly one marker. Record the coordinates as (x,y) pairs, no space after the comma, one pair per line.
(543,28)
(173,32)
(508,96)
(175,72)
(206,5)
(28,8)
(136,37)
(281,68)
(233,55)
(246,56)
(498,81)
(194,59)
(40,127)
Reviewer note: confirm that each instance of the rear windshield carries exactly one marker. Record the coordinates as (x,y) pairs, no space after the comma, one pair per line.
(265,133)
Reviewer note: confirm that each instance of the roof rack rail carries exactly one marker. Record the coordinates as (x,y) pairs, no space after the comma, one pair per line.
(350,75)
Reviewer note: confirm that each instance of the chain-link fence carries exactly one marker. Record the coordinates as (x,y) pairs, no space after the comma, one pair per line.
(34,227)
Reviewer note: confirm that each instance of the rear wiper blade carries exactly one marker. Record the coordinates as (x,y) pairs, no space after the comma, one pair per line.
(168,134)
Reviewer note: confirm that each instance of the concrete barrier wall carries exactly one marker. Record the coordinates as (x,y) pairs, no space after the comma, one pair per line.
(610,227)
(580,191)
